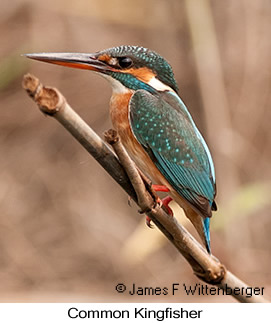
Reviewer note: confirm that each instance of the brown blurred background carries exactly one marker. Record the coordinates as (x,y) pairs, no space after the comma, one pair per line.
(66,230)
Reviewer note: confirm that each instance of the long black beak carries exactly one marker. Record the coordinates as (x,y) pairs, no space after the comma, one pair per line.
(75,60)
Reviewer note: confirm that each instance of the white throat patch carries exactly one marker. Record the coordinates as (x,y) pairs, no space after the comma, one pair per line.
(117,87)
(158,85)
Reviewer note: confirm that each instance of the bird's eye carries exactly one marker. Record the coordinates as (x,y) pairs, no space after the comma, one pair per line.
(125,62)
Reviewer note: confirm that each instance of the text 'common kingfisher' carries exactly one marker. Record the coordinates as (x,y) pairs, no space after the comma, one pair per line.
(154,125)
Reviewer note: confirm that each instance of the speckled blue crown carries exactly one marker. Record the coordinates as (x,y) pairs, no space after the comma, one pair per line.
(145,57)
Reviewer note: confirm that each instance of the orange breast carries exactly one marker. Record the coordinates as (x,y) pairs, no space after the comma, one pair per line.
(119,115)
(119,104)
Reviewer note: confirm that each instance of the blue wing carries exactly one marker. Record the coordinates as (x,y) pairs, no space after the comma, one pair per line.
(164,127)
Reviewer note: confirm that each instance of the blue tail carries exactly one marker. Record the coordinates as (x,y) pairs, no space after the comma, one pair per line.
(206,226)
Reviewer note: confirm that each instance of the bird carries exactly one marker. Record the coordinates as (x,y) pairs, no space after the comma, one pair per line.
(154,126)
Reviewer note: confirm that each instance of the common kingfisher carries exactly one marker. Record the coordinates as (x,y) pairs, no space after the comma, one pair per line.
(154,125)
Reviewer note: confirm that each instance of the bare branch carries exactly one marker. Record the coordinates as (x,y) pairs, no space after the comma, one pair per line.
(52,102)
(206,267)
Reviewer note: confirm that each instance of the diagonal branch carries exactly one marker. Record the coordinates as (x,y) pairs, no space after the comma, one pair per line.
(206,267)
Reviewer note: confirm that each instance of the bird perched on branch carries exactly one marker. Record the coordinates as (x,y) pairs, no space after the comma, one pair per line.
(155,126)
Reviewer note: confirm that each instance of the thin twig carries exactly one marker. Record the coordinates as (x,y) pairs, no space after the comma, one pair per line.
(206,267)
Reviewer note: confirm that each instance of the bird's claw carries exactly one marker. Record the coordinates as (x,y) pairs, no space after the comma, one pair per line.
(162,203)
(165,202)
(148,222)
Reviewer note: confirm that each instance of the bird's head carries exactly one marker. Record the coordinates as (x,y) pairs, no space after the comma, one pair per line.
(125,67)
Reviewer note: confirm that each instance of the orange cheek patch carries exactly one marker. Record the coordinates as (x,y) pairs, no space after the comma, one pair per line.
(143,73)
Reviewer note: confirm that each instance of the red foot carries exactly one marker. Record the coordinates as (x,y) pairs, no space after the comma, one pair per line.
(165,201)
(148,222)
(160,188)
